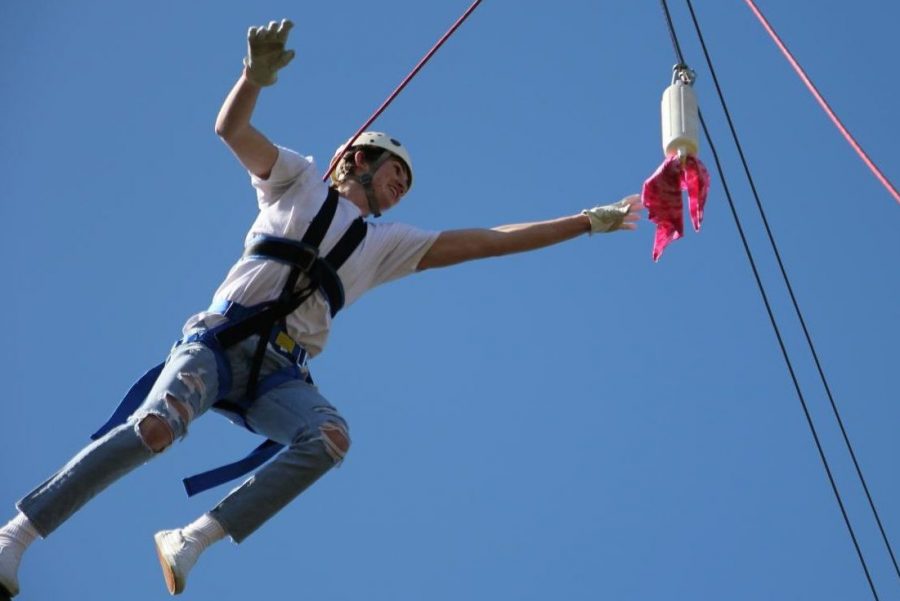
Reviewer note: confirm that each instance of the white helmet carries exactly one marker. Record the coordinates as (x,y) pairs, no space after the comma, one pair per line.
(385,142)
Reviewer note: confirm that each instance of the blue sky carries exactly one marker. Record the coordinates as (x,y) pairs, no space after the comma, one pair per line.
(576,423)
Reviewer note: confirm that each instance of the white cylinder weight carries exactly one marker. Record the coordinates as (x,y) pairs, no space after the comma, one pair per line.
(680,120)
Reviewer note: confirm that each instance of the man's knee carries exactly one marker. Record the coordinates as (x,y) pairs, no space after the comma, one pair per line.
(156,430)
(336,440)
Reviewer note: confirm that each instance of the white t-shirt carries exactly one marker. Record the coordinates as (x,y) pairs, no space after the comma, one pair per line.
(288,201)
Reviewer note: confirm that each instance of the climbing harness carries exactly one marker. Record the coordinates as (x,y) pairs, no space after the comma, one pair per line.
(267,321)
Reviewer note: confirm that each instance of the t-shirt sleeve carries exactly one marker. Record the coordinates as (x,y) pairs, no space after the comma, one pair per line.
(290,169)
(403,248)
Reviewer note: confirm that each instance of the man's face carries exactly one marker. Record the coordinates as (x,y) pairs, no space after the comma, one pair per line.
(390,183)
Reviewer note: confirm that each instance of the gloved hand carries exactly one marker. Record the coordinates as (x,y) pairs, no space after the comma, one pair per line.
(266,53)
(622,215)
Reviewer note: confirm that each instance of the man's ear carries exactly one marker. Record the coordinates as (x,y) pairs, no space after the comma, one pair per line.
(359,159)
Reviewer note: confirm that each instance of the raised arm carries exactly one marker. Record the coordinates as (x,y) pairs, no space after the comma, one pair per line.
(457,246)
(265,56)
(255,152)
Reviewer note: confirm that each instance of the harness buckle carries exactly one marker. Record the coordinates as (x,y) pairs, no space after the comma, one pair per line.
(288,347)
(306,258)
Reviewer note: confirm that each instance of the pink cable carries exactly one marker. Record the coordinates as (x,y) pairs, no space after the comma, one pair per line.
(812,88)
(406,80)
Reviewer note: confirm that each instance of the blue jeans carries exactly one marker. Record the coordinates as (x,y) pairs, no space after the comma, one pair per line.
(294,414)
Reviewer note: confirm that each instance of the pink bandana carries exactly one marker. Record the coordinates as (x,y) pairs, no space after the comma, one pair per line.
(661,195)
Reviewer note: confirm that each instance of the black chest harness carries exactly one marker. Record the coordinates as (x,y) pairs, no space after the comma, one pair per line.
(268,321)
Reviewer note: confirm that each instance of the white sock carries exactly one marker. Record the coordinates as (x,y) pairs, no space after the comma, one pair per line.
(20,530)
(205,531)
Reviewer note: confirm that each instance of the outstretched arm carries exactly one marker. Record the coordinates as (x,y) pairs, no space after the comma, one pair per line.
(457,246)
(265,56)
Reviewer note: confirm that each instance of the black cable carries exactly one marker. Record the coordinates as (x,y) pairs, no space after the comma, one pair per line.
(790,290)
(771,315)
(671,27)
(787,360)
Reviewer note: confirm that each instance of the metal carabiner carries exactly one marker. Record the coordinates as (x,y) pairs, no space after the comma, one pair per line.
(684,74)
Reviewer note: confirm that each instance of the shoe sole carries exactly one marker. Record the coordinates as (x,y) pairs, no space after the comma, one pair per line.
(5,595)
(173,583)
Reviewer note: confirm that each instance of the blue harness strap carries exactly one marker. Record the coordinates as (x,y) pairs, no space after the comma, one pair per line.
(142,387)
(133,399)
(237,409)
(220,475)
(258,456)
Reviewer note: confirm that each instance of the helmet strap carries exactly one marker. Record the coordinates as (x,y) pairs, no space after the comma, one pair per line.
(365,180)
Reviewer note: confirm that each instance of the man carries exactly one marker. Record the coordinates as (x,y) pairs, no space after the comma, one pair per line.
(308,253)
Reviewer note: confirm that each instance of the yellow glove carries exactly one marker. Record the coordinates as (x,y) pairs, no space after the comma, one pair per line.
(622,215)
(266,53)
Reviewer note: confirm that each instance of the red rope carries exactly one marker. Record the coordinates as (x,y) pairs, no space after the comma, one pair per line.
(407,79)
(815,92)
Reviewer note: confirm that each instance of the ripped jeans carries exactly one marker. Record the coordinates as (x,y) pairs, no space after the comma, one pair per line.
(294,414)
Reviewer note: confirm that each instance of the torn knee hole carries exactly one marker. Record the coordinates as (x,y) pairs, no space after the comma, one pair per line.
(184,410)
(193,381)
(336,440)
(156,433)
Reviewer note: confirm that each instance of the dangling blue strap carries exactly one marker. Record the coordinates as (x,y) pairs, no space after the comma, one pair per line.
(212,478)
(133,399)
(261,454)
(258,456)
(220,475)
(140,389)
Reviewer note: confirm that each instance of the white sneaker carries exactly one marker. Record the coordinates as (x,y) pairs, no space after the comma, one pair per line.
(177,555)
(10,556)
